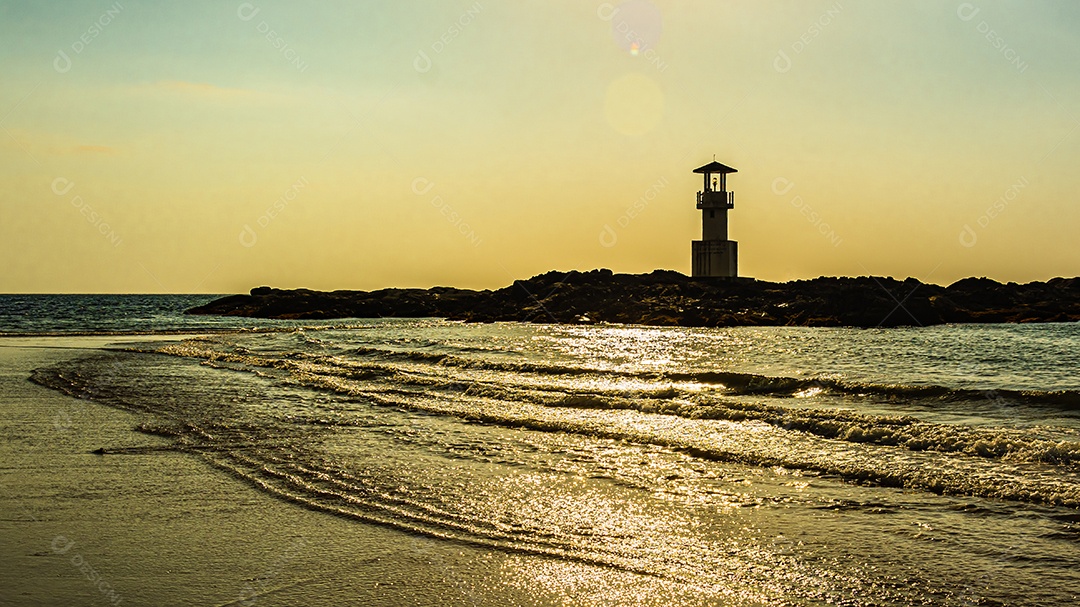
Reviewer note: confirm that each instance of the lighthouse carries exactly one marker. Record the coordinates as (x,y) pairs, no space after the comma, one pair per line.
(714,255)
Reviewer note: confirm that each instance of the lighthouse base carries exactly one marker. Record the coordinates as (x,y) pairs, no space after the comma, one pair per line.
(715,258)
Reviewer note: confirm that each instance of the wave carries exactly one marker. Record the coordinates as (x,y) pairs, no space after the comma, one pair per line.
(908,432)
(669,395)
(284,461)
(749,384)
(893,431)
(801,438)
(1066,399)
(942,474)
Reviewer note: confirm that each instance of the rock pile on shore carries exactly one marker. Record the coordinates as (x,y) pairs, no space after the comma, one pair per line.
(672,299)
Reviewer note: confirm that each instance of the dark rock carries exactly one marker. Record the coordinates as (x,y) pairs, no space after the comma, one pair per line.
(668,298)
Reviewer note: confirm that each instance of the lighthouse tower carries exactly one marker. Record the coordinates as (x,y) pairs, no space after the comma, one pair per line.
(714,255)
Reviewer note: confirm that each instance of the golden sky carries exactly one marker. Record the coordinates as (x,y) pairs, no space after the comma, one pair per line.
(216,146)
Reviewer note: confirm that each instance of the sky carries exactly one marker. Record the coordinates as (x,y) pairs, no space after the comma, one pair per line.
(211,147)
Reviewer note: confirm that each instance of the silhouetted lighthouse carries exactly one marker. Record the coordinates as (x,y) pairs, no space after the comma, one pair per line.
(714,255)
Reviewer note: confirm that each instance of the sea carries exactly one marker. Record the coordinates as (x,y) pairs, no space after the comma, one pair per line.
(738,466)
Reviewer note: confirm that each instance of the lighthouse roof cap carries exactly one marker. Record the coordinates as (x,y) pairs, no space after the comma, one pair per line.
(715,167)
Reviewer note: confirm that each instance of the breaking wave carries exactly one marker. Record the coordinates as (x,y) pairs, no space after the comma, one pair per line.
(723,416)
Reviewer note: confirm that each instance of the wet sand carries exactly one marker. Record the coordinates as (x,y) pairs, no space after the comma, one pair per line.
(154,526)
(161,527)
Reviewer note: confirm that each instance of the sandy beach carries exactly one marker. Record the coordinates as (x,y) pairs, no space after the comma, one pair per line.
(160,527)
(153,526)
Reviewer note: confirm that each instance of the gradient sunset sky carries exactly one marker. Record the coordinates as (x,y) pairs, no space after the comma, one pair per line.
(217,146)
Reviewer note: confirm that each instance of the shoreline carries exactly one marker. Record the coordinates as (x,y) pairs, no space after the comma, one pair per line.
(146,524)
(667,298)
(159,526)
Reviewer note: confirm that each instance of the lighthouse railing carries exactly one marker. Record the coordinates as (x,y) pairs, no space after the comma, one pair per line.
(714,196)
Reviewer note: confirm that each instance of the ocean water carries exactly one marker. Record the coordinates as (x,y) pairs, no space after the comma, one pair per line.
(737,466)
(59,315)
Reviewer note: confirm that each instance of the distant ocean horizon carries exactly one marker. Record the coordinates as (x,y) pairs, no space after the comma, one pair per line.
(751,465)
(104,314)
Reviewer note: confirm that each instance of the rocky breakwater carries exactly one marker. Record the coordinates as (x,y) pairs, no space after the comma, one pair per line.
(673,299)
